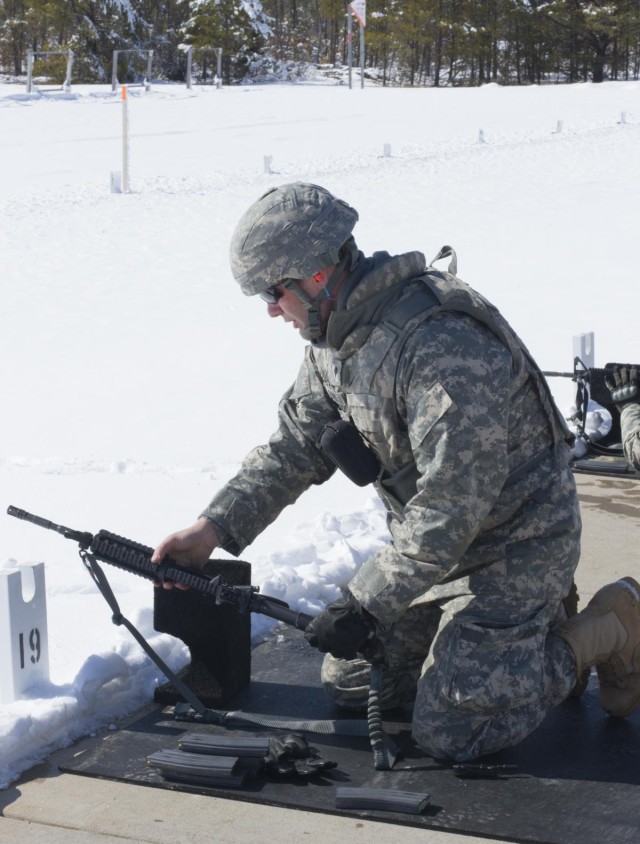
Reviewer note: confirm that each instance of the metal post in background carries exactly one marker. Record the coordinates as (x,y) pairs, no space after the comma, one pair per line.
(361,55)
(125,141)
(189,60)
(147,80)
(349,43)
(359,9)
(114,70)
(67,80)
(219,67)
(29,71)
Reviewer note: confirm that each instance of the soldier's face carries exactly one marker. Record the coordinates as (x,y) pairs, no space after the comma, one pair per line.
(289,306)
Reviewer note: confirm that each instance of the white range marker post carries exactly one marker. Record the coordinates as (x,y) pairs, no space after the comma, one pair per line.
(23,630)
(584,349)
(125,141)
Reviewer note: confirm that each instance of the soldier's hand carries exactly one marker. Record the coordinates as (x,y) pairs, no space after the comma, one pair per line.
(191,547)
(623,385)
(344,629)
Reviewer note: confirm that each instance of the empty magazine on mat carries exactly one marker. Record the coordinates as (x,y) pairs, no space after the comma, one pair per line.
(382,799)
(204,769)
(241,746)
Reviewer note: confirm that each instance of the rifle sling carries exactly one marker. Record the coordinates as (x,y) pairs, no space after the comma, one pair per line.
(100,579)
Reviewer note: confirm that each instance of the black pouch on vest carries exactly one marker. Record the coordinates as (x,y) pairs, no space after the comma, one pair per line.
(344,446)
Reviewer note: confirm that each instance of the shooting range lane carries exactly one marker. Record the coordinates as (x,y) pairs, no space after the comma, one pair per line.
(577,776)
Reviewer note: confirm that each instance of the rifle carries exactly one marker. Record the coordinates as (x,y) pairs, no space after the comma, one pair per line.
(136,558)
(591,384)
(593,377)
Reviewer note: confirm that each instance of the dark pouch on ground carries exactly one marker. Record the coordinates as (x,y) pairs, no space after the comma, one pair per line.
(343,445)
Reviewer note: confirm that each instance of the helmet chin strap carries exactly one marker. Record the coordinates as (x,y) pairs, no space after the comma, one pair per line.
(312,303)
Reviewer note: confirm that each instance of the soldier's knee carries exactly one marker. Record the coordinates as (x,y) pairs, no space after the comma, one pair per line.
(440,739)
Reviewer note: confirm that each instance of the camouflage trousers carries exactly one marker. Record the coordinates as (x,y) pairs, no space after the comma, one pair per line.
(480,661)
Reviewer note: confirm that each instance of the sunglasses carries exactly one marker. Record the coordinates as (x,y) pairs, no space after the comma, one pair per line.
(271,295)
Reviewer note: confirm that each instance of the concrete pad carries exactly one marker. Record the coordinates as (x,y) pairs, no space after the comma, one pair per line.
(610,532)
(28,832)
(81,810)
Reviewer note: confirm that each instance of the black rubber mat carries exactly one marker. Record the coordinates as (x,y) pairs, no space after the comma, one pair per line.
(576,778)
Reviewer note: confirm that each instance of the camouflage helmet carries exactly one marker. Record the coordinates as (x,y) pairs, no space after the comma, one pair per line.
(292,231)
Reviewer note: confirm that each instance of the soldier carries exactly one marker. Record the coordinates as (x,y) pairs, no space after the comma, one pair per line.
(623,386)
(414,373)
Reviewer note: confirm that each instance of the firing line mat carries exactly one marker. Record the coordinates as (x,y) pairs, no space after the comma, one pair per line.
(576,778)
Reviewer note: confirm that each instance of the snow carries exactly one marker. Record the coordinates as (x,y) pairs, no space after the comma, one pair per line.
(135,376)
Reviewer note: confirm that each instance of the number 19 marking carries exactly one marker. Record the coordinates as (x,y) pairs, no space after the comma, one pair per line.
(34,645)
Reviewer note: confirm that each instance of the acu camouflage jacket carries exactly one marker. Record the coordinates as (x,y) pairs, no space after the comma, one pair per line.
(448,398)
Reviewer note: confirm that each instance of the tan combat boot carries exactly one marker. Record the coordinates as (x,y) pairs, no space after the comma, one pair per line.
(607,634)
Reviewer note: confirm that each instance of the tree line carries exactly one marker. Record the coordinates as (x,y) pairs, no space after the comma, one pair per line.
(407,42)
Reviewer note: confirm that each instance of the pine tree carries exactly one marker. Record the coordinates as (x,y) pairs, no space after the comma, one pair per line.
(238,27)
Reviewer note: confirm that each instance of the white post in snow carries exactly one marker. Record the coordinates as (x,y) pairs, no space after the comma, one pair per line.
(584,349)
(386,150)
(24,658)
(125,141)
(559,126)
(623,117)
(267,164)
(481,137)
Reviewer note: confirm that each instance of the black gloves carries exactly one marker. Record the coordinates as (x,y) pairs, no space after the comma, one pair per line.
(623,385)
(345,629)
(290,755)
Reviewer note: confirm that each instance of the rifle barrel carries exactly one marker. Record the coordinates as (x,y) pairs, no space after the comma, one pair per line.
(29,517)
(559,374)
(80,536)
